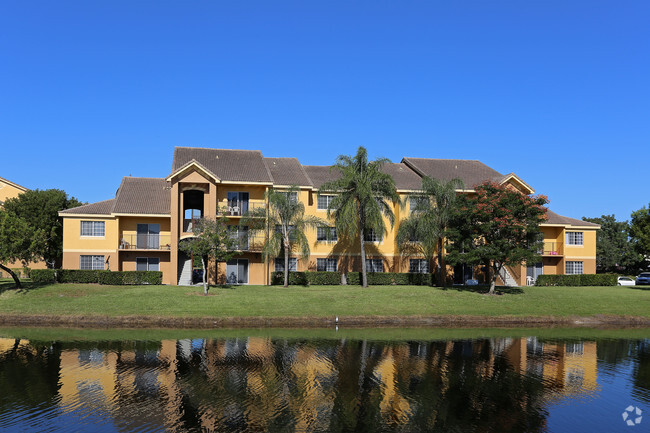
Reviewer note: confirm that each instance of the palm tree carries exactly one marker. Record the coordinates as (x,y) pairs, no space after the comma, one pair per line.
(285,224)
(424,231)
(362,195)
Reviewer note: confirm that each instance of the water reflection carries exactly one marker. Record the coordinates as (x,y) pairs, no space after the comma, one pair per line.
(264,384)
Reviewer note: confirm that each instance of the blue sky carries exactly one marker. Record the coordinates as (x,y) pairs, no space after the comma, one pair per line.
(555,91)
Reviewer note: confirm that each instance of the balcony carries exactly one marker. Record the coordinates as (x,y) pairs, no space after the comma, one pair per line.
(156,242)
(189,224)
(552,249)
(248,241)
(240,208)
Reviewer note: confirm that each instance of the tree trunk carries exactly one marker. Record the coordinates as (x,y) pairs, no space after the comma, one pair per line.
(493,279)
(13,275)
(286,264)
(205,271)
(441,280)
(364,278)
(432,272)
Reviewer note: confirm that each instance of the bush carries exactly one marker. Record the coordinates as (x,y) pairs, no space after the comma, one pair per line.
(577,280)
(119,278)
(78,276)
(388,278)
(44,276)
(323,278)
(295,278)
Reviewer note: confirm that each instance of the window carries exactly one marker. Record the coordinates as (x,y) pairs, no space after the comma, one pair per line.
(323,202)
(574,268)
(328,265)
(415,201)
(279,264)
(371,236)
(293,196)
(92,263)
(92,228)
(574,238)
(374,265)
(240,235)
(326,234)
(290,229)
(148,236)
(147,264)
(419,266)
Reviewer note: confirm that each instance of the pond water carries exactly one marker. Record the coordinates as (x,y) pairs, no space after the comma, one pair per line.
(324,381)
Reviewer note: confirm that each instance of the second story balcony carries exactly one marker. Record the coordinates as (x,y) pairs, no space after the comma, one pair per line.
(253,242)
(552,249)
(157,242)
(232,208)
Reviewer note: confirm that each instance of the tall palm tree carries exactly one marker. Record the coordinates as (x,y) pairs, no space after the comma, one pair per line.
(285,223)
(362,196)
(424,231)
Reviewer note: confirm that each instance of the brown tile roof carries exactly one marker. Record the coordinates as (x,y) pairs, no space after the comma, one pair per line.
(319,174)
(404,177)
(471,172)
(287,171)
(100,208)
(136,195)
(554,218)
(227,164)
(143,195)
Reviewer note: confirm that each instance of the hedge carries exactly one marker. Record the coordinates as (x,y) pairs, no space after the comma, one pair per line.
(353,278)
(98,276)
(577,280)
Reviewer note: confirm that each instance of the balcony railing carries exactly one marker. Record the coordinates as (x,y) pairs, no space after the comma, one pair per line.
(552,249)
(239,208)
(190,224)
(145,242)
(248,241)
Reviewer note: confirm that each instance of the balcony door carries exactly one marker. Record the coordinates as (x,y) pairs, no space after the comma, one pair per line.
(237,271)
(237,203)
(149,236)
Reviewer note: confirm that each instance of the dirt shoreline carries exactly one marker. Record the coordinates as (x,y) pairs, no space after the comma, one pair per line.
(597,321)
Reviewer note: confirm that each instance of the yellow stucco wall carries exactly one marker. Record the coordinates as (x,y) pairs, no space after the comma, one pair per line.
(75,245)
(8,191)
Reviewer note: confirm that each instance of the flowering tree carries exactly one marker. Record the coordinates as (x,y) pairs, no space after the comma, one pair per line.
(498,226)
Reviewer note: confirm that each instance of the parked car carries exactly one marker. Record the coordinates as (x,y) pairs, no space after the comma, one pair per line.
(643,278)
(625,281)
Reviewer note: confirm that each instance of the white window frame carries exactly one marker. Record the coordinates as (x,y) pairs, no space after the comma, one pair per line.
(95,261)
(151,262)
(371,236)
(414,200)
(326,264)
(418,266)
(97,229)
(279,264)
(327,198)
(575,239)
(373,264)
(572,267)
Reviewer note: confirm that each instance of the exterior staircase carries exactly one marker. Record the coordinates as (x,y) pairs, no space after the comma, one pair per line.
(507,278)
(185,274)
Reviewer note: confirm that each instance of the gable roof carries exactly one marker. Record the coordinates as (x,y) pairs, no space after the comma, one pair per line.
(319,174)
(136,195)
(471,172)
(226,164)
(405,178)
(287,171)
(556,219)
(15,185)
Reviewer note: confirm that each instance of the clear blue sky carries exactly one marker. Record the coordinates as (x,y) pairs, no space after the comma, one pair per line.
(555,91)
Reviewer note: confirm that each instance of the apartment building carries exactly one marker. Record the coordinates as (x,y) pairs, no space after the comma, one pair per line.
(143,226)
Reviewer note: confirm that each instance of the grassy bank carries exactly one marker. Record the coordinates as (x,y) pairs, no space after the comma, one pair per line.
(318,301)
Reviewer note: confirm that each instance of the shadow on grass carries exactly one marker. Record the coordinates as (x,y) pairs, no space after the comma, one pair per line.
(638,287)
(485,289)
(27,286)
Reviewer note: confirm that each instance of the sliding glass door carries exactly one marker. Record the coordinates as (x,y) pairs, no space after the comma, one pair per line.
(237,271)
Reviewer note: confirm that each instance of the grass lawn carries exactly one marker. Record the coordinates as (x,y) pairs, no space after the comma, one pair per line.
(318,301)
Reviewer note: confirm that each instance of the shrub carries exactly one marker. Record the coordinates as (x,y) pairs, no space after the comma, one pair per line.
(295,278)
(388,278)
(78,276)
(323,278)
(44,275)
(118,278)
(577,280)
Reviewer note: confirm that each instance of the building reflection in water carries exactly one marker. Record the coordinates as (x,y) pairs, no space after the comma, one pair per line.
(262,384)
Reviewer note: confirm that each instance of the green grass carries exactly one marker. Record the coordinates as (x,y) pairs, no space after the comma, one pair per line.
(318,301)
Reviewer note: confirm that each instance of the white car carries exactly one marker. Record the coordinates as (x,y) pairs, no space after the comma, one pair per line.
(625,281)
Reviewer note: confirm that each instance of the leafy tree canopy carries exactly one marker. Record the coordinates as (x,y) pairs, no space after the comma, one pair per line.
(496,227)
(614,251)
(640,232)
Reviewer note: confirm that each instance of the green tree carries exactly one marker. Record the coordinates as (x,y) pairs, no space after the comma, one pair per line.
(640,233)
(614,251)
(212,240)
(18,242)
(425,229)
(285,223)
(497,227)
(361,201)
(39,209)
